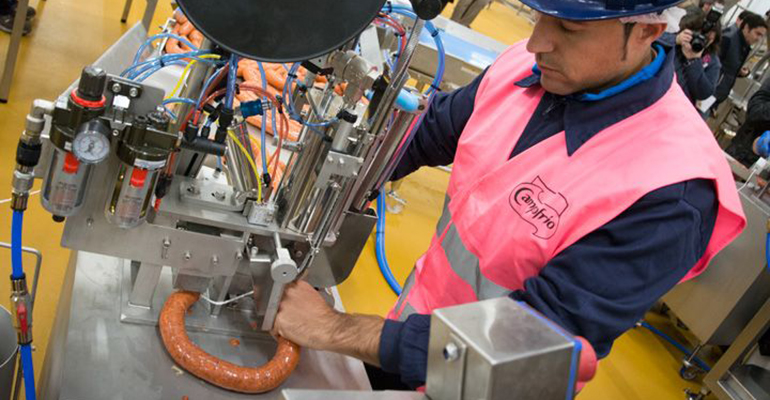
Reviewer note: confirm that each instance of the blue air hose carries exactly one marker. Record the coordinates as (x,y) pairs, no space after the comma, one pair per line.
(17,272)
(701,364)
(263,132)
(382,259)
(28,371)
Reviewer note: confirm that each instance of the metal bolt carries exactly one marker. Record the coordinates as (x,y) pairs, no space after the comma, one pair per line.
(451,352)
(187,256)
(219,195)
(166,243)
(134,92)
(89,222)
(215,259)
(298,254)
(238,256)
(116,88)
(330,159)
(115,132)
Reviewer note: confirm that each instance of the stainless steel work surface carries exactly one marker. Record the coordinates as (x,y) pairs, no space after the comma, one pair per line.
(294,394)
(102,358)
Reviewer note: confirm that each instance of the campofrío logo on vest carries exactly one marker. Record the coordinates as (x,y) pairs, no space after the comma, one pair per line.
(539,206)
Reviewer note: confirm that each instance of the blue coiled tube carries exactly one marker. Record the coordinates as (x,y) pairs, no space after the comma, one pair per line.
(382,259)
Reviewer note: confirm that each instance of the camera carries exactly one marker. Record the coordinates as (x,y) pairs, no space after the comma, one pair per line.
(699,39)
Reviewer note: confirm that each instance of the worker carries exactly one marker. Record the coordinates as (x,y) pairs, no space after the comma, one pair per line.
(466,11)
(756,123)
(584,184)
(734,50)
(8,14)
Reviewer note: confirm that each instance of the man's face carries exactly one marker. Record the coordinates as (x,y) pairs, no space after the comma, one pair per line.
(707,7)
(574,56)
(752,36)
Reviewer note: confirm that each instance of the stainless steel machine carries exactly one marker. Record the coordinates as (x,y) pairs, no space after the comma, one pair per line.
(165,195)
(727,305)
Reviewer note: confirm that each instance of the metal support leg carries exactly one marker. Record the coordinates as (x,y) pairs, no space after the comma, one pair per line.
(149,12)
(715,380)
(126,10)
(13,49)
(146,277)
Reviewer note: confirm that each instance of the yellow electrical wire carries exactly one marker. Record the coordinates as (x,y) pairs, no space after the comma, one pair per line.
(186,70)
(251,161)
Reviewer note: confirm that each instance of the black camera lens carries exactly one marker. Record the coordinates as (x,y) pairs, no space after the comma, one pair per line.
(698,42)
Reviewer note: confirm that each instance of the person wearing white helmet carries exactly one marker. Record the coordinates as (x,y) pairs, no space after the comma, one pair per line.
(584,184)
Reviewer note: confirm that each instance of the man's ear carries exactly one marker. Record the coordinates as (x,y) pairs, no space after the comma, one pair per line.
(648,33)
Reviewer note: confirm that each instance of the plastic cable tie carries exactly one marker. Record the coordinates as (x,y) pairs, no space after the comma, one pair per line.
(435,32)
(436,88)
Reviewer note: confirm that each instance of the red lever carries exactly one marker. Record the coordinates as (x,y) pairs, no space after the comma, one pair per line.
(21,312)
(71,164)
(138,177)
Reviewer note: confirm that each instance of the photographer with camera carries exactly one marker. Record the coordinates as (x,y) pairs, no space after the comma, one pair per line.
(697,53)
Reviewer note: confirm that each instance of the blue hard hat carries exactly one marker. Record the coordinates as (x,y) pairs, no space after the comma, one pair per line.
(587,10)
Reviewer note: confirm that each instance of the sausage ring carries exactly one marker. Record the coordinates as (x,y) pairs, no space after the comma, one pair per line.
(212,369)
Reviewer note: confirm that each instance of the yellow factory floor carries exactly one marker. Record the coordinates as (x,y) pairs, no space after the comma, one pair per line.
(71,33)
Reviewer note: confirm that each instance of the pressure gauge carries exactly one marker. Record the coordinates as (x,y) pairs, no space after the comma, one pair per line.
(92,145)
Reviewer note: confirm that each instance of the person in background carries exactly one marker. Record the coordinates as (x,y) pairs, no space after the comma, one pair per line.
(697,72)
(757,122)
(738,21)
(8,12)
(467,10)
(735,48)
(703,5)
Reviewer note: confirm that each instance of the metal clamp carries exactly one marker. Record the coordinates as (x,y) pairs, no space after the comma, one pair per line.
(338,164)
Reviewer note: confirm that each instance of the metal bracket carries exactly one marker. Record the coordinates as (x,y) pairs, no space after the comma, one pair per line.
(338,164)
(210,195)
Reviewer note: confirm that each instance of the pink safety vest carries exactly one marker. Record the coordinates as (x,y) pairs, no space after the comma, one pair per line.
(505,218)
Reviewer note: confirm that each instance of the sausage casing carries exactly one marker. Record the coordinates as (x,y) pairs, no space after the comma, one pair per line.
(212,369)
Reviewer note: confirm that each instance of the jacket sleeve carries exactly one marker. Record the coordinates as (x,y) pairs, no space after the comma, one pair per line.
(701,81)
(603,284)
(435,141)
(759,105)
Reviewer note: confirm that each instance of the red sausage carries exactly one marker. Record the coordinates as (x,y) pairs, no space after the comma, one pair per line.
(212,369)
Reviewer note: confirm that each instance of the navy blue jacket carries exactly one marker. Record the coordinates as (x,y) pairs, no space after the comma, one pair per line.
(733,52)
(698,78)
(604,283)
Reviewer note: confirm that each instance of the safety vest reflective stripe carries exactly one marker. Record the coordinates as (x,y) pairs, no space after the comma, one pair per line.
(463,263)
(466,265)
(446,217)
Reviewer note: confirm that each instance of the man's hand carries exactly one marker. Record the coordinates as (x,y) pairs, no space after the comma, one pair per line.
(306,319)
